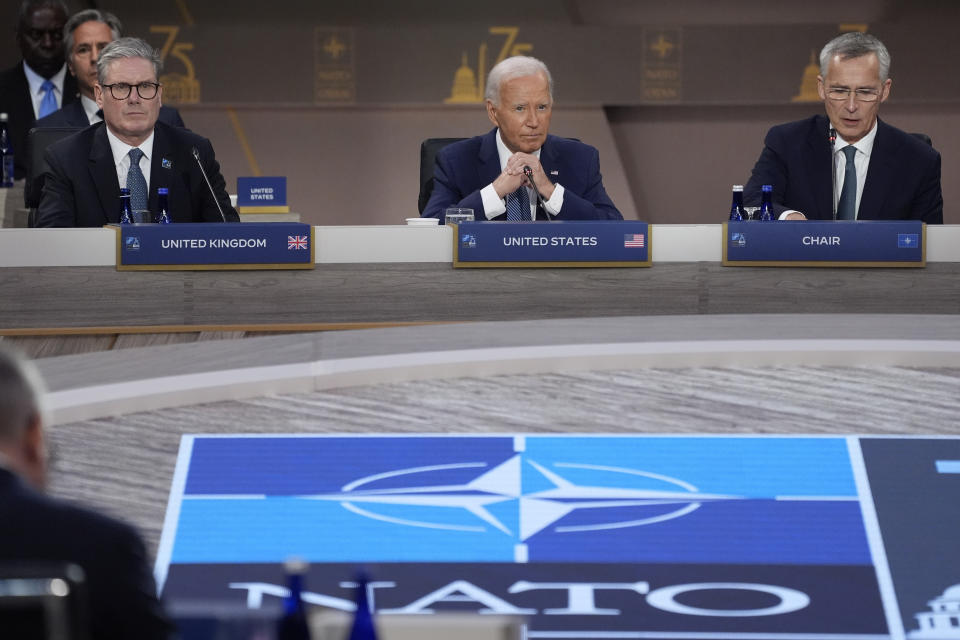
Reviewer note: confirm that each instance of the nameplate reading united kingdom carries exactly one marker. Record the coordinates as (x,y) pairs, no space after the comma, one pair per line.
(594,243)
(207,246)
(808,243)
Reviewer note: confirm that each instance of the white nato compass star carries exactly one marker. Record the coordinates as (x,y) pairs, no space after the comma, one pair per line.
(538,510)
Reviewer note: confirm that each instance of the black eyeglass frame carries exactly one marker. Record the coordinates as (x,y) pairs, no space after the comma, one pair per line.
(156,89)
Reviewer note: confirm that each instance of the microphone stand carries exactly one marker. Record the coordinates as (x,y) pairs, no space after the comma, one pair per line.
(527,171)
(196,154)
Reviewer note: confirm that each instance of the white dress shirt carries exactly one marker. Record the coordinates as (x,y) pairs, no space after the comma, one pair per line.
(861,161)
(494,205)
(35,81)
(121,158)
(90,108)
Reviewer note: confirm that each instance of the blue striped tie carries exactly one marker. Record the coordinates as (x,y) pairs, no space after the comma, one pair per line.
(847,207)
(518,205)
(136,182)
(49,103)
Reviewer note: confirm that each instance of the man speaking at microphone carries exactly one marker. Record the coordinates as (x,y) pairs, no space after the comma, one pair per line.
(849,165)
(131,149)
(518,171)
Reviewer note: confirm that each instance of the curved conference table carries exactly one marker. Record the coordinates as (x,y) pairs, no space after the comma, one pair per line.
(684,346)
(63,282)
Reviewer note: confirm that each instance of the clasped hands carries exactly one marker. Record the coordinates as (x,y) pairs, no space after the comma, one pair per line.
(512,176)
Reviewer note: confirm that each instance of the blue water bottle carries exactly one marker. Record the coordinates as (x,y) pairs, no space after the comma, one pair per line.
(292,624)
(766,204)
(6,152)
(163,207)
(736,209)
(126,210)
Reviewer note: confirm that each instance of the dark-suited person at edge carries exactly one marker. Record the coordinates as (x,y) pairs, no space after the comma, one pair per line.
(131,148)
(849,165)
(486,173)
(119,595)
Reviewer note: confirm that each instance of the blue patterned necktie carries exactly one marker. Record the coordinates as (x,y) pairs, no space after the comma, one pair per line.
(847,207)
(518,205)
(136,182)
(49,103)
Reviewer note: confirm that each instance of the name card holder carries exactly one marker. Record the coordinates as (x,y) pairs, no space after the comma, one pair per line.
(211,246)
(263,194)
(809,243)
(582,243)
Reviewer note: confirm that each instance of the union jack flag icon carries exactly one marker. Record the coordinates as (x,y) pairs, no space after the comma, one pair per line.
(296,242)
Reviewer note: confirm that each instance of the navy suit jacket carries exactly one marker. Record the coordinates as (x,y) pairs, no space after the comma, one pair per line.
(464,168)
(903,179)
(15,101)
(73,115)
(81,188)
(119,587)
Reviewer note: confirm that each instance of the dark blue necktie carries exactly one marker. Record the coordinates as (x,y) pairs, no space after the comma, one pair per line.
(847,207)
(136,182)
(518,205)
(49,103)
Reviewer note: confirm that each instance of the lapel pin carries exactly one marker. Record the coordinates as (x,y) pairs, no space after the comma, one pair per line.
(555,172)
(166,163)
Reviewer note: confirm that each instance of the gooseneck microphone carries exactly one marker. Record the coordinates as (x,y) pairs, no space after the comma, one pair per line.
(832,138)
(527,171)
(196,154)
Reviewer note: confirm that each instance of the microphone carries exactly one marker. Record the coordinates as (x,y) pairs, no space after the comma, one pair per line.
(527,171)
(832,138)
(196,154)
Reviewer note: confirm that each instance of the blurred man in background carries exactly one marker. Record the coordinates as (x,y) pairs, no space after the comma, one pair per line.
(34,527)
(84,37)
(39,84)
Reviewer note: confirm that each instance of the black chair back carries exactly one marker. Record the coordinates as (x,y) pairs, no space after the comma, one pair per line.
(428,155)
(923,138)
(37,142)
(43,601)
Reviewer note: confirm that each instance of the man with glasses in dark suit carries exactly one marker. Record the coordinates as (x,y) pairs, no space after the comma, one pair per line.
(849,165)
(132,149)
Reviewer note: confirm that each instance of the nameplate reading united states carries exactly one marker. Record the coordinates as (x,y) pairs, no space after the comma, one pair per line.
(807,243)
(595,243)
(262,195)
(207,246)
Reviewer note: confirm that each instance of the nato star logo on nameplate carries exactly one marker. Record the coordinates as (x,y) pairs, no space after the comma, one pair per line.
(907,240)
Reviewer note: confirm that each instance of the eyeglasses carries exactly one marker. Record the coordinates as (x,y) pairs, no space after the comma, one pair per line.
(861,95)
(121,90)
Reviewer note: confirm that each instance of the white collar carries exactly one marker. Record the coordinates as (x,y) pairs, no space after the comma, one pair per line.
(864,145)
(35,80)
(505,153)
(121,149)
(90,108)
